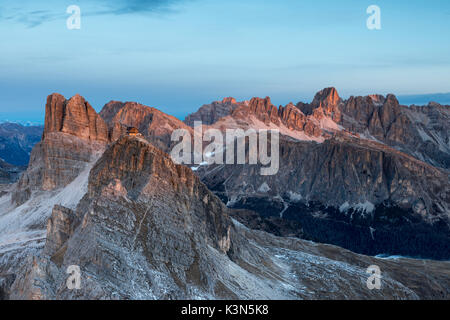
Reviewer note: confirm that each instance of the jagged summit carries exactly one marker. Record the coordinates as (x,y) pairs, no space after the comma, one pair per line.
(75,136)
(229,100)
(327,97)
(152,123)
(132,168)
(75,117)
(211,113)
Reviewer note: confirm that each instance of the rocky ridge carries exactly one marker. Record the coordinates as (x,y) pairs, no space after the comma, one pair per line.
(149,229)
(420,131)
(211,113)
(153,124)
(74,135)
(365,165)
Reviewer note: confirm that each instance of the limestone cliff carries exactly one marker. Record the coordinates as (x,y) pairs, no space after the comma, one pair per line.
(74,135)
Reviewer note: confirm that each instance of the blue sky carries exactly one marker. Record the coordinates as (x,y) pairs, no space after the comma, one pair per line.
(179,54)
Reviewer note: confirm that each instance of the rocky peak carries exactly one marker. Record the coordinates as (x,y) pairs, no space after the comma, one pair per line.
(261,105)
(263,109)
(133,169)
(156,126)
(75,117)
(110,110)
(326,103)
(326,97)
(292,117)
(392,100)
(211,113)
(229,100)
(74,136)
(376,99)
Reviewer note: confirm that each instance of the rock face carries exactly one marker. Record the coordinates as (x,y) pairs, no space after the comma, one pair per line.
(74,134)
(309,123)
(17,141)
(135,169)
(371,165)
(419,131)
(59,230)
(327,103)
(75,117)
(149,229)
(211,113)
(341,170)
(154,125)
(349,186)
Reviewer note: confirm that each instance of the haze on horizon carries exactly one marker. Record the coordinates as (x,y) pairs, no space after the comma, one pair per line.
(176,55)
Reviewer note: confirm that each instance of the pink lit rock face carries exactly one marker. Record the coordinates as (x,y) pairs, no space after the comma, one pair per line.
(420,131)
(75,117)
(74,135)
(153,124)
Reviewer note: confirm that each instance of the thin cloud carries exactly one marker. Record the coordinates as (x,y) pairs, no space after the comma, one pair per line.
(137,6)
(35,18)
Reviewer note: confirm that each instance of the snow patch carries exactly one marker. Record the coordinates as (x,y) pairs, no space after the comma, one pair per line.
(366,207)
(344,207)
(24,227)
(328,124)
(298,135)
(254,123)
(295,197)
(264,188)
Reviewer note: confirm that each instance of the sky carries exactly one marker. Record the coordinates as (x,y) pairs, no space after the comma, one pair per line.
(176,55)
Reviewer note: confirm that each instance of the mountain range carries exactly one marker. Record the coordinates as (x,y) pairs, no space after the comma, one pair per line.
(16,143)
(423,99)
(354,172)
(358,178)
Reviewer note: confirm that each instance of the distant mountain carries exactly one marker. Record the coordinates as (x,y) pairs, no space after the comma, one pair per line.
(424,99)
(17,141)
(9,173)
(355,173)
(210,113)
